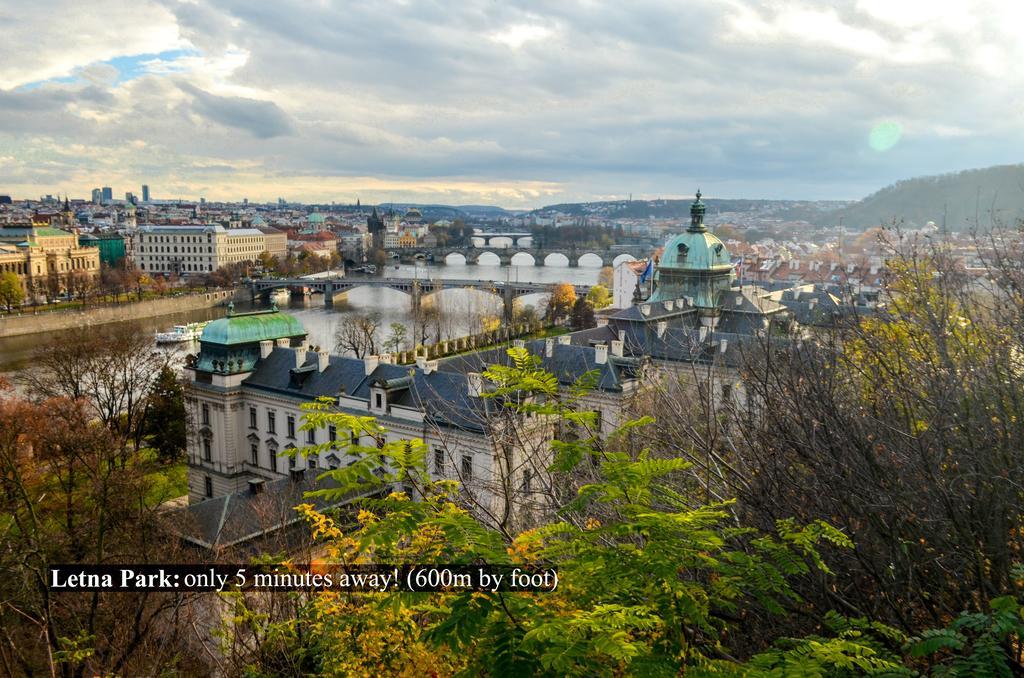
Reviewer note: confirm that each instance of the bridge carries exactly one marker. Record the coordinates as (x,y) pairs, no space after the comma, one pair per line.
(416,288)
(537,255)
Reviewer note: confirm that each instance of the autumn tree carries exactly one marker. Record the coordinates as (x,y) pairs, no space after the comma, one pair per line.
(11,293)
(560,302)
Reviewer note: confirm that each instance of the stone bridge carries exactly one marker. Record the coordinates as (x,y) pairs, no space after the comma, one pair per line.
(416,288)
(539,255)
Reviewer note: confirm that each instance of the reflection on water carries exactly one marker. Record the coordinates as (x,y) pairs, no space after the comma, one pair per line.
(460,308)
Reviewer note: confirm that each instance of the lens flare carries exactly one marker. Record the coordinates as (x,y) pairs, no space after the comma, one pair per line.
(885,135)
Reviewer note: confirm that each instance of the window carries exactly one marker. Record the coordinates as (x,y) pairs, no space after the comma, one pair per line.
(206,414)
(273,459)
(312,462)
(439,462)
(209,486)
(291,460)
(726,391)
(467,467)
(311,437)
(207,450)
(527,478)
(332,433)
(254,450)
(271,421)
(252,417)
(291,425)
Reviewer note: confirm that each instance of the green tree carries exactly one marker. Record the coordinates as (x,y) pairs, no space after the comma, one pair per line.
(582,314)
(165,418)
(11,293)
(599,297)
(396,339)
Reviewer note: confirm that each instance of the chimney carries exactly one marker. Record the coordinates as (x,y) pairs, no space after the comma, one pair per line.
(549,347)
(564,340)
(282,343)
(421,362)
(723,345)
(660,328)
(669,304)
(622,335)
(601,354)
(300,355)
(256,486)
(474,384)
(617,348)
(266,347)
(323,359)
(387,359)
(645,309)
(370,363)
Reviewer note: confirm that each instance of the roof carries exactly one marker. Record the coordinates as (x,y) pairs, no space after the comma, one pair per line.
(251,328)
(696,251)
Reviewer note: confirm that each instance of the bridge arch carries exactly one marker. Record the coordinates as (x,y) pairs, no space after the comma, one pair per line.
(488,259)
(556,259)
(500,242)
(523,259)
(590,260)
(621,259)
(455,259)
(525,241)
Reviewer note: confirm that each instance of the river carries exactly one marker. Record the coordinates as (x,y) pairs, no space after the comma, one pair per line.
(458,306)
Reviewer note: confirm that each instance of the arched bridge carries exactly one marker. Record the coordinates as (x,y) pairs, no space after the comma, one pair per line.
(538,255)
(416,288)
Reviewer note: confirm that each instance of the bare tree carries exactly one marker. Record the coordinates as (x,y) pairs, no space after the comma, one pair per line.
(357,334)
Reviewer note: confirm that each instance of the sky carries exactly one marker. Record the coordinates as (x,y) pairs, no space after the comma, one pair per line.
(518,104)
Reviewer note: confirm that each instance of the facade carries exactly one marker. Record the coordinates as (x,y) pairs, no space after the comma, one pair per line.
(275,242)
(110,245)
(44,257)
(253,373)
(194,249)
(145,193)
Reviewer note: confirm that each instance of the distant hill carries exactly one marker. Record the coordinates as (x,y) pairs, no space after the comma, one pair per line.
(963,199)
(807,210)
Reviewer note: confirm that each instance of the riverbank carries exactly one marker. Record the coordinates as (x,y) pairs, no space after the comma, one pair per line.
(55,321)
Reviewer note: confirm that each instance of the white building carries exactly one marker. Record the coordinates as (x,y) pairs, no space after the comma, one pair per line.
(193,249)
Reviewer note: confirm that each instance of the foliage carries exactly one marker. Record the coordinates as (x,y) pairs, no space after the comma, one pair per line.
(166,419)
(396,339)
(582,314)
(649,588)
(560,303)
(599,297)
(11,294)
(357,334)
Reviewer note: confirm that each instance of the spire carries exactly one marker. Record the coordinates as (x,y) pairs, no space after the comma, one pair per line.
(697,216)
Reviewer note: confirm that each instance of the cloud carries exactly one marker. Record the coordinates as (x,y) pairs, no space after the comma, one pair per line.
(262,119)
(521,102)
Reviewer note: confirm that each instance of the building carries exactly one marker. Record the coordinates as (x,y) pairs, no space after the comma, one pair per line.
(254,371)
(276,242)
(407,239)
(145,193)
(108,195)
(391,239)
(194,249)
(44,257)
(97,196)
(110,245)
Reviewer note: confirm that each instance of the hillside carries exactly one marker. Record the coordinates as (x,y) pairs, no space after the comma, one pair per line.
(978,196)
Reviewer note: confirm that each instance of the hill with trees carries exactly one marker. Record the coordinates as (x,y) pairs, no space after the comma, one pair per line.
(963,200)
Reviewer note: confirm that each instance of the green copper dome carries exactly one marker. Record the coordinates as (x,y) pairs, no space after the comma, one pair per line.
(252,328)
(695,265)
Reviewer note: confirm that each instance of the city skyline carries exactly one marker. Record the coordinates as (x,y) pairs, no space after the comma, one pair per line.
(517,106)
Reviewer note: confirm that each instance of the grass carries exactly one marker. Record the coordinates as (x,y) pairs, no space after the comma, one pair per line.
(167,481)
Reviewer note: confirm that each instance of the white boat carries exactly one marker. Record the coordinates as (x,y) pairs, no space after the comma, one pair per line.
(181,333)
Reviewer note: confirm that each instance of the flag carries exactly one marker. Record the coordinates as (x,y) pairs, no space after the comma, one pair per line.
(648,272)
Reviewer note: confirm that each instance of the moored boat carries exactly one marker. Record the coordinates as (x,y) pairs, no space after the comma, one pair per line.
(181,333)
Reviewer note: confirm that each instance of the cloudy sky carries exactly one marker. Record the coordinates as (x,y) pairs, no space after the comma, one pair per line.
(501,102)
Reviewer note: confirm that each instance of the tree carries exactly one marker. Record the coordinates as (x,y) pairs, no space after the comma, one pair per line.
(599,297)
(396,339)
(560,303)
(606,277)
(11,294)
(165,419)
(357,334)
(582,314)
(649,584)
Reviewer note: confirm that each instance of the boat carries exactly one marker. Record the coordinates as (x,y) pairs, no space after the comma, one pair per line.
(181,333)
